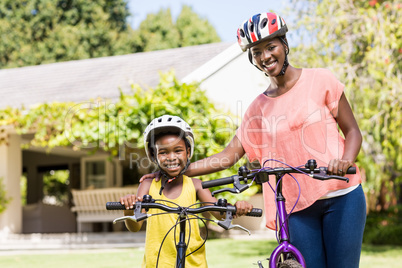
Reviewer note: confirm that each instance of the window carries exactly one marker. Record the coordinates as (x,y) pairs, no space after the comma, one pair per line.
(100,172)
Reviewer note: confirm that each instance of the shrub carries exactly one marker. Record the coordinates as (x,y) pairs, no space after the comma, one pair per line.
(384,228)
(4,200)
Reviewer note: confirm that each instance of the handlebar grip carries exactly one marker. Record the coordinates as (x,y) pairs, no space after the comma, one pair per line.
(115,206)
(351,170)
(217,182)
(255,212)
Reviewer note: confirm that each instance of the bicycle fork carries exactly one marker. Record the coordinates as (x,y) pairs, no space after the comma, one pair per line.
(284,245)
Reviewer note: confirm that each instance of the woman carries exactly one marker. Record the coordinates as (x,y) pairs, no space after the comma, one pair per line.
(297,119)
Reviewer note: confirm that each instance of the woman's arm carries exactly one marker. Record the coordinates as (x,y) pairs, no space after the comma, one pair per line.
(353,138)
(204,195)
(217,162)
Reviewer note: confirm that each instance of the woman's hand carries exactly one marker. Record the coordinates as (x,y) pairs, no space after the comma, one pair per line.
(155,175)
(339,166)
(242,208)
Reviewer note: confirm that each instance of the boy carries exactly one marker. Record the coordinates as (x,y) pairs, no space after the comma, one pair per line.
(169,142)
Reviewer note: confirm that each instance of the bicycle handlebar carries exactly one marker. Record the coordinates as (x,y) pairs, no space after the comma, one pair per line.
(221,206)
(262,176)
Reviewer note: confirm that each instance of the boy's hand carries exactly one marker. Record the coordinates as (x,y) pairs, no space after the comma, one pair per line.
(155,175)
(128,201)
(242,208)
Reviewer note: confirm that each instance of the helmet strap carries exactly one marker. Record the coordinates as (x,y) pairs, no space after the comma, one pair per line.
(163,184)
(168,178)
(284,67)
(286,62)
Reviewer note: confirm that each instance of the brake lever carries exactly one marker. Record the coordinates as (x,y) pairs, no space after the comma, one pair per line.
(137,212)
(138,215)
(323,175)
(237,187)
(131,218)
(231,190)
(339,178)
(227,223)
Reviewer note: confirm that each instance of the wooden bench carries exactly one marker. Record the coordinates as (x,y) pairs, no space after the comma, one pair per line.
(90,205)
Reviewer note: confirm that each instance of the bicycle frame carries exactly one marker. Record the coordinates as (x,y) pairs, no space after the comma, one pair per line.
(181,246)
(284,247)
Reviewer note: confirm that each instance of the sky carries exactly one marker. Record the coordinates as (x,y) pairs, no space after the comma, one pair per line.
(225,15)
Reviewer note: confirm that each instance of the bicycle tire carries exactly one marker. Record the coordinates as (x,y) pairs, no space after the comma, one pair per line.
(290,264)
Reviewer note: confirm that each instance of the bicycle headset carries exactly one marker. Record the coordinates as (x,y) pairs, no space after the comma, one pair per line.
(167,124)
(259,28)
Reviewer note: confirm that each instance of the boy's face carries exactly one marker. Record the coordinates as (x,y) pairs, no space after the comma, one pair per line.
(172,154)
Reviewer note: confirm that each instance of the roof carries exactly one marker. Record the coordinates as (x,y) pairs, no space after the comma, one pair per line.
(82,80)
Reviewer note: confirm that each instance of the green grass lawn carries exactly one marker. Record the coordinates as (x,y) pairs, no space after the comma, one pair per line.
(222,253)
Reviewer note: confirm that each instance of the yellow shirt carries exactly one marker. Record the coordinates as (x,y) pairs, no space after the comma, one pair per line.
(159,226)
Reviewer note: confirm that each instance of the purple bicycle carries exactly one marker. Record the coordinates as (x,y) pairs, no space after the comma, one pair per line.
(285,255)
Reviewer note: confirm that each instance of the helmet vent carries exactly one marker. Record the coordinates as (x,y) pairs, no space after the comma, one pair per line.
(159,120)
(263,23)
(169,119)
(273,21)
(242,33)
(251,27)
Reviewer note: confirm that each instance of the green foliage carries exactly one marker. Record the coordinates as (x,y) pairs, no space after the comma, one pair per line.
(55,187)
(194,30)
(384,228)
(361,42)
(158,31)
(114,127)
(23,189)
(45,31)
(4,200)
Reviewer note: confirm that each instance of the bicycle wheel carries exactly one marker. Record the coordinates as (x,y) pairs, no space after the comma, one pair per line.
(290,264)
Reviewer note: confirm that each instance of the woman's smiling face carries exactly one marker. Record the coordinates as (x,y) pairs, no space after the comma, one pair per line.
(172,154)
(269,56)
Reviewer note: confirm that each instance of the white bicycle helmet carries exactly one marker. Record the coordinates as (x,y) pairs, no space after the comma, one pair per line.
(167,123)
(260,27)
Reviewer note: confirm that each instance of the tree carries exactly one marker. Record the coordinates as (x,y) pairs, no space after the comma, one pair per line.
(194,30)
(158,31)
(361,42)
(44,31)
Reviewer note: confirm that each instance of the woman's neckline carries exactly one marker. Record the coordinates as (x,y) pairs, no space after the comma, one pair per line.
(287,92)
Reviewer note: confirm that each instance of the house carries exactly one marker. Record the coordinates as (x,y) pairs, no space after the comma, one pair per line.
(223,70)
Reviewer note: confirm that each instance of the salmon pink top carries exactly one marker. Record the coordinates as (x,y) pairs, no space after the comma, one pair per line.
(294,127)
